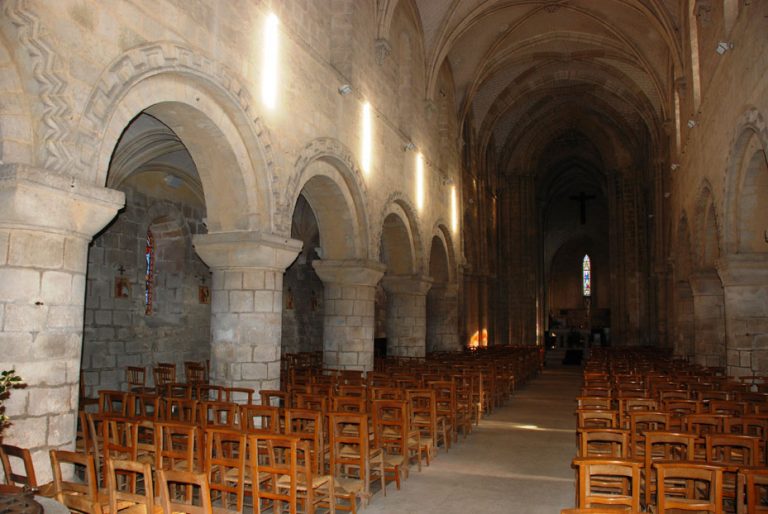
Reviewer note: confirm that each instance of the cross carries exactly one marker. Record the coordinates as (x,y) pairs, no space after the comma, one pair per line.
(121,269)
(583,198)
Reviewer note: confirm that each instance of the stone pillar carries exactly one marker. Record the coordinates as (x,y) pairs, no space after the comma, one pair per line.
(406,314)
(46,222)
(708,318)
(349,296)
(246,305)
(442,318)
(745,288)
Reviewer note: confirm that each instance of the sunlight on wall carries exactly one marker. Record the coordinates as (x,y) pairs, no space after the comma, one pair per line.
(367,139)
(419,181)
(478,339)
(454,211)
(269,78)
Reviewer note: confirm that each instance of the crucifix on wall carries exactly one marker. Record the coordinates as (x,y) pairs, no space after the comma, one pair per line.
(583,198)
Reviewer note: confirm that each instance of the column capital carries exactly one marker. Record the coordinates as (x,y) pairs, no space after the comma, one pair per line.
(743,269)
(357,272)
(407,284)
(39,199)
(246,249)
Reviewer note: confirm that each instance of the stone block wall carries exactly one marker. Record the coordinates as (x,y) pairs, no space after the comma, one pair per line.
(118,332)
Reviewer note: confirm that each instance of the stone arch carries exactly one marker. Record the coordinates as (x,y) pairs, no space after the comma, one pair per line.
(16,130)
(441,233)
(747,186)
(207,107)
(708,245)
(402,215)
(328,177)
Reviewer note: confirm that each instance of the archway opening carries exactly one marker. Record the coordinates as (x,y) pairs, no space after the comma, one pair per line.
(148,293)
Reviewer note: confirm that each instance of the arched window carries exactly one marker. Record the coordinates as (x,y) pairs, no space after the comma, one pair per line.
(586,274)
(149,257)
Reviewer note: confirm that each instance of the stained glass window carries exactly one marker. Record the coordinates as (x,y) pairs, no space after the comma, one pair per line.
(586,282)
(149,257)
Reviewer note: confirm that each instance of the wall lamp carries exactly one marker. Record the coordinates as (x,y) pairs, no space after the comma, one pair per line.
(345,89)
(723,46)
(691,123)
(409,146)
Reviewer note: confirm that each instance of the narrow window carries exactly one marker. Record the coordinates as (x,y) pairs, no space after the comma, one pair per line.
(149,257)
(586,274)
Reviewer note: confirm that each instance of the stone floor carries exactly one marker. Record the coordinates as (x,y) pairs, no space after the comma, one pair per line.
(516,461)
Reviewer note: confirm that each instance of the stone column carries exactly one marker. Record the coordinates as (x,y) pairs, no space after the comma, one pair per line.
(745,288)
(442,318)
(246,305)
(46,222)
(406,314)
(708,318)
(349,295)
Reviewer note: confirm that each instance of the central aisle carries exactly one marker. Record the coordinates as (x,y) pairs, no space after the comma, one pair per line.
(516,461)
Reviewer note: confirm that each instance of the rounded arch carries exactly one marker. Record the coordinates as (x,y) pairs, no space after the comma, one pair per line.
(330,180)
(747,186)
(443,244)
(207,107)
(707,228)
(400,245)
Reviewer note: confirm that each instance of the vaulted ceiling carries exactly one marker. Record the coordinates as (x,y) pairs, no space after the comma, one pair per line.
(529,73)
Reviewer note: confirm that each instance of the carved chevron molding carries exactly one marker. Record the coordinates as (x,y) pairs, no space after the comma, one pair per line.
(46,69)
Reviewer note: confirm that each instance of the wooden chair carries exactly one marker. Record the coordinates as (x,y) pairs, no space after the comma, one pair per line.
(163,375)
(13,458)
(289,473)
(432,428)
(702,490)
(352,461)
(113,402)
(594,402)
(178,390)
(185,492)
(752,489)
(664,446)
(218,414)
(144,407)
(445,404)
(260,418)
(645,421)
(608,482)
(308,425)
(182,410)
(208,393)
(120,439)
(241,395)
(391,434)
(732,452)
(177,447)
(124,496)
(604,442)
(280,461)
(194,372)
(275,398)
(591,418)
(136,379)
(81,495)
(225,458)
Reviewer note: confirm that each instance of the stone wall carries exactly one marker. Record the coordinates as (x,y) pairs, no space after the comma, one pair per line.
(118,332)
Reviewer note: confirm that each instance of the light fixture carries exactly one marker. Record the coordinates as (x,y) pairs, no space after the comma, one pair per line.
(674,166)
(345,89)
(409,146)
(667,194)
(723,46)
(691,123)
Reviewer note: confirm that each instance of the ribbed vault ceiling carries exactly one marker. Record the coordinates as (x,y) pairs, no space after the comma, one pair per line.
(531,72)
